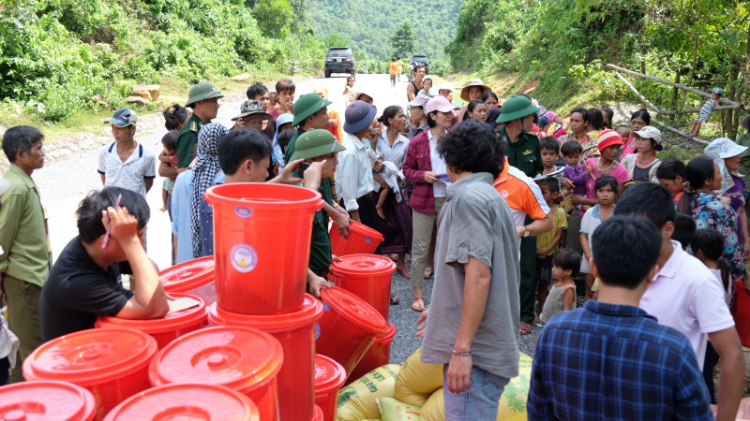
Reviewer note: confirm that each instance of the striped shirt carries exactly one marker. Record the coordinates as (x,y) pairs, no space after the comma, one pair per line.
(705,113)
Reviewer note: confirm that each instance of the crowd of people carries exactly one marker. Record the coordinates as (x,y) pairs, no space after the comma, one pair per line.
(520,214)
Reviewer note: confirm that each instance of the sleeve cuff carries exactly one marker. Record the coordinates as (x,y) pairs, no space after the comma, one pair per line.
(100,172)
(149,177)
(351,205)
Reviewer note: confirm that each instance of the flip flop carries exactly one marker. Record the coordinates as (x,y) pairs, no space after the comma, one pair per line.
(526,328)
(428,273)
(394,300)
(417,304)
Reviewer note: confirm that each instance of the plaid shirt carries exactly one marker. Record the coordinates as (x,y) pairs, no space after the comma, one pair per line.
(614,362)
(418,161)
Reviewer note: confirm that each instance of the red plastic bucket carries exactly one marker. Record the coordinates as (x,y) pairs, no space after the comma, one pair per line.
(168,328)
(111,363)
(296,333)
(195,277)
(240,358)
(368,277)
(262,245)
(362,239)
(378,355)
(348,327)
(186,402)
(329,378)
(46,400)
(741,313)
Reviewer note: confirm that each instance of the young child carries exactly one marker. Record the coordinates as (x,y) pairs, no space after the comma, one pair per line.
(623,131)
(549,242)
(349,91)
(285,89)
(169,142)
(562,295)
(575,169)
(550,151)
(705,113)
(426,86)
(606,193)
(708,247)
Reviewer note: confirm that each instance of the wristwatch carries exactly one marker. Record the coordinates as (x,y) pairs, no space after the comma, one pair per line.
(527,232)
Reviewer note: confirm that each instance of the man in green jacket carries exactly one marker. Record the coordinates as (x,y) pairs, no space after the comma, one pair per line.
(204,100)
(320,145)
(25,261)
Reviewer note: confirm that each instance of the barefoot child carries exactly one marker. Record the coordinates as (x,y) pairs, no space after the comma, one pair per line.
(706,110)
(549,242)
(169,142)
(562,295)
(606,193)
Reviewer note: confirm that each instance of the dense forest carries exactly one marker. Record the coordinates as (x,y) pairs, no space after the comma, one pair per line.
(564,44)
(370,24)
(60,56)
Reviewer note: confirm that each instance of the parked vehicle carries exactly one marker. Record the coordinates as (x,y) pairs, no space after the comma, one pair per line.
(339,60)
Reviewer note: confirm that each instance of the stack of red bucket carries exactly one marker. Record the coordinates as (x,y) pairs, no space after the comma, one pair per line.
(258,360)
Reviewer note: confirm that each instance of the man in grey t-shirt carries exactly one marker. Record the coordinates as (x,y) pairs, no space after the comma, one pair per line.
(472,325)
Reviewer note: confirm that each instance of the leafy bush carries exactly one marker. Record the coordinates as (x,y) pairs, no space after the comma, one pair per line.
(58,55)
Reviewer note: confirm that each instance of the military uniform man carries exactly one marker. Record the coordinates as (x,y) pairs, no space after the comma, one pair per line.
(524,154)
(204,100)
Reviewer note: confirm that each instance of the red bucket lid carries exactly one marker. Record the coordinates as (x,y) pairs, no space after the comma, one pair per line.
(310,311)
(186,401)
(46,400)
(388,335)
(364,264)
(240,358)
(319,415)
(354,308)
(189,275)
(168,323)
(91,356)
(249,196)
(365,230)
(329,375)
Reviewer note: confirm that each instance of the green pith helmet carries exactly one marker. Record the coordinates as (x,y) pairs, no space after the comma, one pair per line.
(307,105)
(201,91)
(516,107)
(315,143)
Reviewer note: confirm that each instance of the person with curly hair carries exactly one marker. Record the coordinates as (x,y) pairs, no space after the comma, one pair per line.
(471,325)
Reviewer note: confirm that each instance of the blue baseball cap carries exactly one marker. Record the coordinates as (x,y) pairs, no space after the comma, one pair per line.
(123,117)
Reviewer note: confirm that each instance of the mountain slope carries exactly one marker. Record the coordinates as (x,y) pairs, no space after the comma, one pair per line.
(369,24)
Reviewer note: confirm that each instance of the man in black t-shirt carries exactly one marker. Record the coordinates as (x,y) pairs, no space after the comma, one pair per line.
(85,281)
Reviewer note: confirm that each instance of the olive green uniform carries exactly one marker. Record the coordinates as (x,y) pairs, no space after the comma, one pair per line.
(526,155)
(187,140)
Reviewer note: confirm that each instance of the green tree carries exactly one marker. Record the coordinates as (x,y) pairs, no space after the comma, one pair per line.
(403,40)
(274,17)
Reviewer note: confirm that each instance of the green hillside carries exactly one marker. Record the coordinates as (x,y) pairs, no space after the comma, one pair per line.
(369,24)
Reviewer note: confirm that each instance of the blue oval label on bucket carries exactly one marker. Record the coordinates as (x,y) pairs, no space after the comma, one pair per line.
(243,257)
(368,240)
(326,307)
(243,212)
(317,331)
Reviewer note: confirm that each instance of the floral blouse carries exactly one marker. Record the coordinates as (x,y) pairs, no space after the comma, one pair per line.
(710,212)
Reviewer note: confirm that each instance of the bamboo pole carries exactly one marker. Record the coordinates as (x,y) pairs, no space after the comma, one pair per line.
(695,110)
(610,66)
(680,132)
(632,88)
